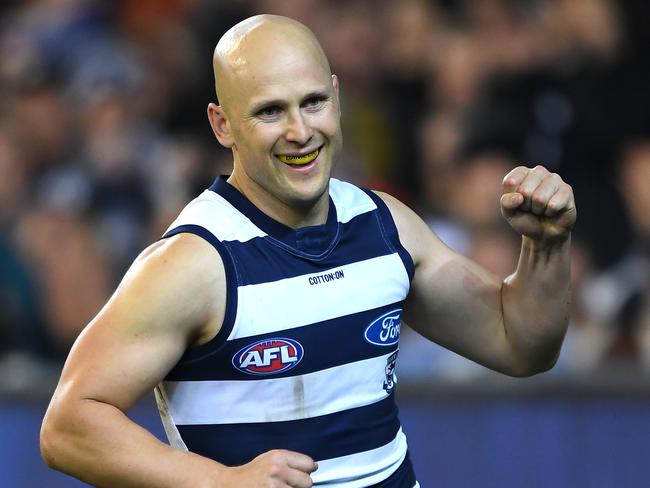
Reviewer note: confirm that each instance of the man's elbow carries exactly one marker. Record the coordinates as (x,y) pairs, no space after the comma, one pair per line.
(50,443)
(525,369)
(56,439)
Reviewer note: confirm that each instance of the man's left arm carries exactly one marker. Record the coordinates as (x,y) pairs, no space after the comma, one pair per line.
(515,326)
(540,207)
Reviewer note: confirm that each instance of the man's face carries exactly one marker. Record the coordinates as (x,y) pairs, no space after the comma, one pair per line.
(284,116)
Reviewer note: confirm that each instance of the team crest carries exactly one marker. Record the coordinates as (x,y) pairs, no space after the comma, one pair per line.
(268,356)
(391,376)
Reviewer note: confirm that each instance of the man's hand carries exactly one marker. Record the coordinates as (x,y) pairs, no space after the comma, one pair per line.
(538,204)
(274,469)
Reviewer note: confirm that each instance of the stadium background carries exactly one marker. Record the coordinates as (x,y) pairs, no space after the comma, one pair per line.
(103,138)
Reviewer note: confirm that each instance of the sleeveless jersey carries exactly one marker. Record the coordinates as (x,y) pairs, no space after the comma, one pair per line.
(306,354)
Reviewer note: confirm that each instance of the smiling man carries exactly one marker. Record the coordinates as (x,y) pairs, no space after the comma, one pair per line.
(280,115)
(268,317)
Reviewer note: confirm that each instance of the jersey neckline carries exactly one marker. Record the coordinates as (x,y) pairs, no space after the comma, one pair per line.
(312,240)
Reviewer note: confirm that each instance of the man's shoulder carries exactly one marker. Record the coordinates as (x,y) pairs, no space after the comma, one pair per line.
(350,200)
(182,251)
(210,215)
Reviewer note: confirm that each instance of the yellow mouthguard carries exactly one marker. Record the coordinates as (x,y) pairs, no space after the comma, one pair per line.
(306,159)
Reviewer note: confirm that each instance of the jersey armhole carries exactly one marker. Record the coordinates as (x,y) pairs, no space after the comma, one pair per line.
(390,233)
(196,353)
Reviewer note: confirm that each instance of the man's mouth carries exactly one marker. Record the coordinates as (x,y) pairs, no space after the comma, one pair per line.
(299,160)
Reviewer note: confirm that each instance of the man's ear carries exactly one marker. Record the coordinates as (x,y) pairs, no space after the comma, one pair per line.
(220,125)
(335,84)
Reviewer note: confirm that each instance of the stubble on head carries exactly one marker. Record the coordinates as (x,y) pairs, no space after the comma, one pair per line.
(254,48)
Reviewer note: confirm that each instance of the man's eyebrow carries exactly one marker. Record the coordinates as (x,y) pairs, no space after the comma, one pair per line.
(317,94)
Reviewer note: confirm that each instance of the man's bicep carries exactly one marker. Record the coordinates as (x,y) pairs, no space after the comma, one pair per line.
(453,301)
(156,313)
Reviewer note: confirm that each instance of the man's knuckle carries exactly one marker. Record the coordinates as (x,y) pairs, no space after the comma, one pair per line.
(538,200)
(553,206)
(275,470)
(275,454)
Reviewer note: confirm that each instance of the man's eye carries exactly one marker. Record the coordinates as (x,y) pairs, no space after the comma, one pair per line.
(313,102)
(269,111)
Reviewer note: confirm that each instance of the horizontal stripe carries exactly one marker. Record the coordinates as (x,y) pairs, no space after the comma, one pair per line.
(365,468)
(278,399)
(354,470)
(263,259)
(325,437)
(218,216)
(350,201)
(293,302)
(325,345)
(404,477)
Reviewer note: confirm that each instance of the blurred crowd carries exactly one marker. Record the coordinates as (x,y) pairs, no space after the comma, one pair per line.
(104,138)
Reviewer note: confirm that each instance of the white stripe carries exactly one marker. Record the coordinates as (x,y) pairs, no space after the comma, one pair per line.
(349,200)
(293,302)
(173,435)
(376,465)
(213,212)
(278,399)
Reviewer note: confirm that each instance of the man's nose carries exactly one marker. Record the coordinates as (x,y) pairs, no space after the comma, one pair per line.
(298,129)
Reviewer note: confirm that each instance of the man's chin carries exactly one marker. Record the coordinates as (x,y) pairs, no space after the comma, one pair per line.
(308,194)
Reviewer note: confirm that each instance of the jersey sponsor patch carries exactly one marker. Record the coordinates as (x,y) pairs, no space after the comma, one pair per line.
(384,330)
(268,356)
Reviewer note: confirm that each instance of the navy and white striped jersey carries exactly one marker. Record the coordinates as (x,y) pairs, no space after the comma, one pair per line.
(306,355)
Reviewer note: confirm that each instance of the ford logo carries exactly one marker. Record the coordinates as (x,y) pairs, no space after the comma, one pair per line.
(384,331)
(268,356)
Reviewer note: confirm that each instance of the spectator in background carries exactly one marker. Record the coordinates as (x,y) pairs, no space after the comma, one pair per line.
(561,80)
(589,337)
(21,318)
(621,296)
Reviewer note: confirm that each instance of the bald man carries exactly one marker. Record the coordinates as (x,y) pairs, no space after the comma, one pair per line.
(268,318)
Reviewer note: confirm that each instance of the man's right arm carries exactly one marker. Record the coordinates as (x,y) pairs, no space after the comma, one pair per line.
(172,297)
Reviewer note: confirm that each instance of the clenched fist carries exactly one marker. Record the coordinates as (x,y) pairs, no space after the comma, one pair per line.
(538,204)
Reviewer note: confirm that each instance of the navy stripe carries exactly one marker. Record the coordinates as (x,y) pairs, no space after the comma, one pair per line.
(325,344)
(231,290)
(404,477)
(390,233)
(263,259)
(324,437)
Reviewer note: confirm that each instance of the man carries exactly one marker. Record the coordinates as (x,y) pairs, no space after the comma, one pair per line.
(269,315)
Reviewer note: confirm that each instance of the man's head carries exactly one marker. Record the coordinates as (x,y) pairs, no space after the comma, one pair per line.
(278,111)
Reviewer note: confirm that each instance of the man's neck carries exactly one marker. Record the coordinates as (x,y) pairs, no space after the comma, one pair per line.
(294,215)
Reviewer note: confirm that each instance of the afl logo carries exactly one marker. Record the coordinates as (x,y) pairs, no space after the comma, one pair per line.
(268,356)
(384,331)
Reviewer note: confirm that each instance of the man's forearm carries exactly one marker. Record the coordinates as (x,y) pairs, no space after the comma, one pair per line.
(536,304)
(97,443)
